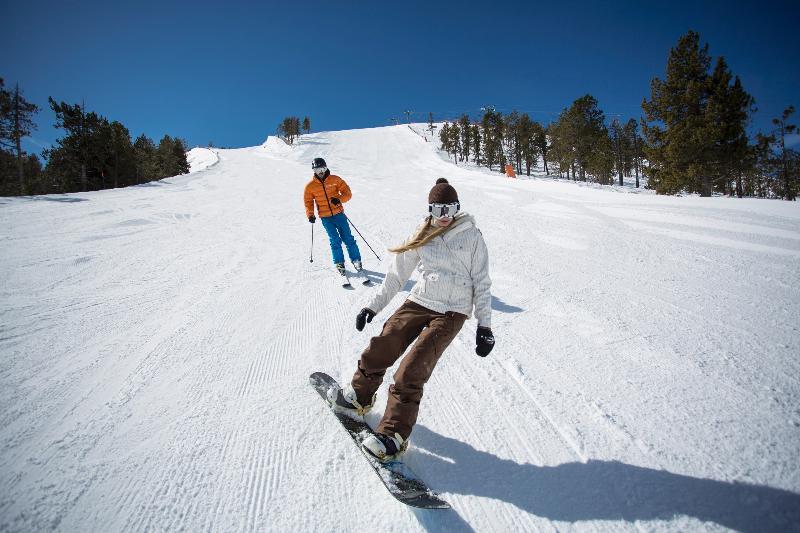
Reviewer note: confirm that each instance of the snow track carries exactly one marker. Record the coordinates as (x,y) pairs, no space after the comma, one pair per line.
(155,344)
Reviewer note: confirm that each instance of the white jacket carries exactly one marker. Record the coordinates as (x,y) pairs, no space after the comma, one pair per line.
(453,273)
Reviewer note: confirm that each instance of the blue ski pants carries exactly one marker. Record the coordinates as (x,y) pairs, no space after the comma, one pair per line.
(339,230)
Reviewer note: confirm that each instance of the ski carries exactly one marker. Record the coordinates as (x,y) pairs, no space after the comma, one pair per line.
(365,279)
(398,478)
(344,279)
(366,276)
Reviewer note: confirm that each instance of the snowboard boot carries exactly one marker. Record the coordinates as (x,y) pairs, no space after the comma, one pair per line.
(345,400)
(339,268)
(385,448)
(357,265)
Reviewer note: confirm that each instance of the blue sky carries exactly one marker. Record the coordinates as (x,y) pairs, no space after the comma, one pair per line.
(227,73)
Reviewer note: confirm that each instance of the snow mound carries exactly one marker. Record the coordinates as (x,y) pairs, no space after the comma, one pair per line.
(201,158)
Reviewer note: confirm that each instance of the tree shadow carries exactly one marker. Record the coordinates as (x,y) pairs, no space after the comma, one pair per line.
(500,305)
(63,200)
(604,490)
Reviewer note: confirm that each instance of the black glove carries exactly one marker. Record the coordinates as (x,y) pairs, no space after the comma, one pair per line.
(484,341)
(335,201)
(366,315)
(312,219)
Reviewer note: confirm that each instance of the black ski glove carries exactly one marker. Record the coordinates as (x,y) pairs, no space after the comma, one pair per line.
(366,315)
(335,201)
(484,341)
(312,219)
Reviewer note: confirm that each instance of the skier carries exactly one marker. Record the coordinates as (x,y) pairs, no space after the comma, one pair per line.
(450,254)
(329,192)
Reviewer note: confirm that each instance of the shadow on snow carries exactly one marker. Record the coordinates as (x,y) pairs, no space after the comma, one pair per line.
(501,306)
(598,490)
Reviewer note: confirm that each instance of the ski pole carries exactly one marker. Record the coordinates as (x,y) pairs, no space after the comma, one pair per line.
(362,237)
(312,244)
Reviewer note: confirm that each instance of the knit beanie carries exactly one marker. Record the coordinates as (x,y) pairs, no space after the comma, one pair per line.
(442,193)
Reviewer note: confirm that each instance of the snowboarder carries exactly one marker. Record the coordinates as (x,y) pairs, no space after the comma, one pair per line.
(450,254)
(329,192)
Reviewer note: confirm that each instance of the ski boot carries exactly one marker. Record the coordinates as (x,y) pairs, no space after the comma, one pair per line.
(357,265)
(385,448)
(345,400)
(339,268)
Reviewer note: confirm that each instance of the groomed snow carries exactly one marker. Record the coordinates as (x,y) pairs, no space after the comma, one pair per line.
(156,342)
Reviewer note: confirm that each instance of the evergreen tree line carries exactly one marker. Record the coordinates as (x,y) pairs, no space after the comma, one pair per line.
(578,145)
(693,137)
(289,128)
(93,154)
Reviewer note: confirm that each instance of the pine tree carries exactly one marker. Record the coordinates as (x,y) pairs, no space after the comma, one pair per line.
(579,140)
(76,162)
(16,123)
(32,169)
(600,160)
(727,113)
(500,133)
(619,140)
(565,134)
(8,179)
(634,143)
(679,148)
(164,161)
(788,178)
(591,135)
(6,118)
(289,129)
(476,143)
(307,125)
(171,157)
(511,141)
(466,137)
(529,149)
(121,158)
(145,156)
(449,137)
(296,126)
(179,149)
(539,139)
(492,133)
(560,151)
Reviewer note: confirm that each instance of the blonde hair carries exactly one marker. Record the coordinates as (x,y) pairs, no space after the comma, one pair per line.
(425,233)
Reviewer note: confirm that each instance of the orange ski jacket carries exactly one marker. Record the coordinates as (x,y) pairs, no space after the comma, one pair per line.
(322,192)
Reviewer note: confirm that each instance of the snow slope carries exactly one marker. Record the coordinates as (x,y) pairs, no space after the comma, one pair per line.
(155,344)
(201,158)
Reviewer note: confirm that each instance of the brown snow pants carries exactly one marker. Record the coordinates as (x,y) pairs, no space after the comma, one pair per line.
(434,332)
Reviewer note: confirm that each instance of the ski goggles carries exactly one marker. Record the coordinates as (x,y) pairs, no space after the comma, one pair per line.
(444,210)
(319,170)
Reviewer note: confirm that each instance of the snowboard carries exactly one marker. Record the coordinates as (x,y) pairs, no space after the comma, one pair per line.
(399,479)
